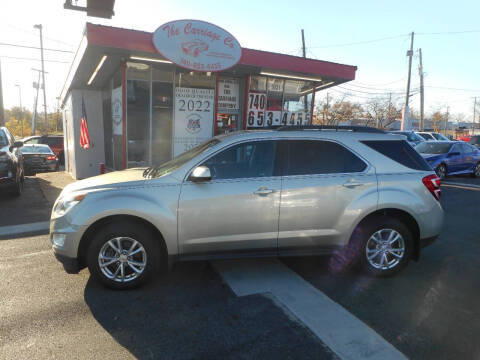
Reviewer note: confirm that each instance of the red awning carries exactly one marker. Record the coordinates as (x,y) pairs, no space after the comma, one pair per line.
(141,41)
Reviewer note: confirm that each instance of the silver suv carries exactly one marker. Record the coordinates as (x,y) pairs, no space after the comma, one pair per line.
(365,197)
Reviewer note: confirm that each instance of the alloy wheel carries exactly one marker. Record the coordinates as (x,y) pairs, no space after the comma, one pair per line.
(477,170)
(441,171)
(122,259)
(385,249)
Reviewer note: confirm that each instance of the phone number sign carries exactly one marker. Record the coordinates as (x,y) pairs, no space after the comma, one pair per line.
(258,115)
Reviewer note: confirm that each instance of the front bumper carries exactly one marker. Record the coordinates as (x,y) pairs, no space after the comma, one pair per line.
(65,239)
(428,241)
(70,265)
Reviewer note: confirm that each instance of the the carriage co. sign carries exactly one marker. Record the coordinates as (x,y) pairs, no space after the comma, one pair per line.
(197,45)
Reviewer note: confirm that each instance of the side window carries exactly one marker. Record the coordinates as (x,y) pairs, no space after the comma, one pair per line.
(456,148)
(466,148)
(320,157)
(246,160)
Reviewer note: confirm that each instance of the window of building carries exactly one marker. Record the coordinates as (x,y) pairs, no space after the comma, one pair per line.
(246,160)
(309,157)
(228,116)
(275,101)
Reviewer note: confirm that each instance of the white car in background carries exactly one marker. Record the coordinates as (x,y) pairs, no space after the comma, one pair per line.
(432,136)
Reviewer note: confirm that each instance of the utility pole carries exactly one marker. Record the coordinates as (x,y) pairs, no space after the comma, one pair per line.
(325,112)
(40,27)
(446,122)
(474,114)
(2,113)
(303,44)
(422,99)
(405,121)
(21,108)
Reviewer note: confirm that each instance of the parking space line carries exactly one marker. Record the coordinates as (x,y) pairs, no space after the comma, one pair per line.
(461,186)
(24,228)
(337,328)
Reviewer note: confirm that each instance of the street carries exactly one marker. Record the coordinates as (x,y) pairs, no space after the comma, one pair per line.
(429,311)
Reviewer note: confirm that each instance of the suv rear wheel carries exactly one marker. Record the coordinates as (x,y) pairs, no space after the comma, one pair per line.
(385,247)
(123,255)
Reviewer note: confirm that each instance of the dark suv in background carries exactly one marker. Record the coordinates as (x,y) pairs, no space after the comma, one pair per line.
(54,141)
(11,164)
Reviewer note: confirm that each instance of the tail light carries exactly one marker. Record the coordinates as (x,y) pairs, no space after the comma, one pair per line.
(51,157)
(432,183)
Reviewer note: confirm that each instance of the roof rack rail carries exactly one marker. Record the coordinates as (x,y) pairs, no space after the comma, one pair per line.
(352,128)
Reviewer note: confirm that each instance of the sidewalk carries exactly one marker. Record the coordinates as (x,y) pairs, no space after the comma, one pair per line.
(36,201)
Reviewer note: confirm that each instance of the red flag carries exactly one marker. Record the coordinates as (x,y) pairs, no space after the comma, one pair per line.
(84,137)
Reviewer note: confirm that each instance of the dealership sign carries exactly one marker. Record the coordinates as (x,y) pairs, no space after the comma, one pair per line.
(197,45)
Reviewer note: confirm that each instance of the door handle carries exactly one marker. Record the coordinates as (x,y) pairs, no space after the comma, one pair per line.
(263,191)
(352,185)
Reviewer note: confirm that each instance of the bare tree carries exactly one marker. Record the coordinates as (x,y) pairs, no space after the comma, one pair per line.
(381,113)
(337,111)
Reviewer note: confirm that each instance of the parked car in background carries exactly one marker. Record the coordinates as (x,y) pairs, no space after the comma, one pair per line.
(451,157)
(54,141)
(38,158)
(412,138)
(439,136)
(465,138)
(475,141)
(358,193)
(11,164)
(426,135)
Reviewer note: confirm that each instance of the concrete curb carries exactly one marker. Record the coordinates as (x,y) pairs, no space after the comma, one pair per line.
(14,230)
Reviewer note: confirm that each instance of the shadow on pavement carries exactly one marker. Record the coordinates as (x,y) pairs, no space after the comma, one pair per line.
(189,313)
(30,206)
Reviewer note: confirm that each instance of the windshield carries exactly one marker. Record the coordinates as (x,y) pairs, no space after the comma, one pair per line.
(177,162)
(433,148)
(411,136)
(36,149)
(3,139)
(440,137)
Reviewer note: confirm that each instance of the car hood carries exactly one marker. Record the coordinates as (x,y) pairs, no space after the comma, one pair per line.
(129,177)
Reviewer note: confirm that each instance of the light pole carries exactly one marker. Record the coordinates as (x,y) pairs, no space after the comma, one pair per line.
(21,108)
(40,27)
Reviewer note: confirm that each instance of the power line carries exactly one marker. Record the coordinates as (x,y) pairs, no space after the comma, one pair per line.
(30,32)
(449,88)
(33,59)
(35,47)
(360,42)
(369,92)
(449,32)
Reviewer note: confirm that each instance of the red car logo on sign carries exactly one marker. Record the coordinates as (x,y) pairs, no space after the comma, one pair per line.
(194,48)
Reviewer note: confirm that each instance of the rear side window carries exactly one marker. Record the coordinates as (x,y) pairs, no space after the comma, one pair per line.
(308,157)
(3,138)
(475,140)
(401,152)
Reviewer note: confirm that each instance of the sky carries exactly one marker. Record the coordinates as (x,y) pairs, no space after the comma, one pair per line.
(372,35)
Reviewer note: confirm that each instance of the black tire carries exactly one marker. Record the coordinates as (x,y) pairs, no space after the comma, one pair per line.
(153,251)
(365,232)
(441,171)
(476,171)
(18,188)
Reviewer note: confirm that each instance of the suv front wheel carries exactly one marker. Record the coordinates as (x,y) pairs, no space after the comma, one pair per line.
(123,255)
(386,247)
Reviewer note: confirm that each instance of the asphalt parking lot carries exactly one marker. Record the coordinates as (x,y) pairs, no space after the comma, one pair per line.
(429,311)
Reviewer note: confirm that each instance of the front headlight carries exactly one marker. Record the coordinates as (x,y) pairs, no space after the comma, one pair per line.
(65,203)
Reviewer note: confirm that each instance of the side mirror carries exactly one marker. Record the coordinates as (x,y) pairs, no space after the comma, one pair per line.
(16,144)
(200,173)
(455,153)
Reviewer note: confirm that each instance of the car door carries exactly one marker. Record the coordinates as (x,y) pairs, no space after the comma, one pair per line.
(468,160)
(237,210)
(321,179)
(455,159)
